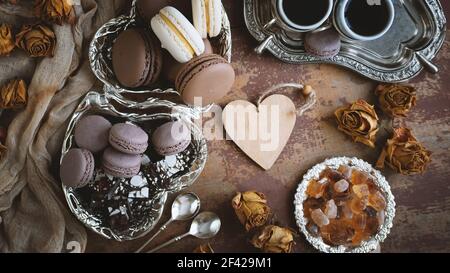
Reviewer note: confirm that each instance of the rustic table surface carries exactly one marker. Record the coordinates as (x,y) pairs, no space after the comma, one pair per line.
(422,222)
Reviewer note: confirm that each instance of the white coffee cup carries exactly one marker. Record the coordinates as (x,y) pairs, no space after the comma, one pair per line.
(343,27)
(287,24)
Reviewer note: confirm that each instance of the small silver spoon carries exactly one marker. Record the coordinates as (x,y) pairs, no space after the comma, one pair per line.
(206,225)
(184,207)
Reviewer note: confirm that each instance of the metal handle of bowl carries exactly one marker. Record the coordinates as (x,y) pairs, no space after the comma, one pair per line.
(427,64)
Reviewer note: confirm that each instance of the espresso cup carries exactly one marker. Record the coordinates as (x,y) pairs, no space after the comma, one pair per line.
(364,20)
(301,15)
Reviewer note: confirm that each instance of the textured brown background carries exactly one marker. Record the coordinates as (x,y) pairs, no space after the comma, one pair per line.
(422,223)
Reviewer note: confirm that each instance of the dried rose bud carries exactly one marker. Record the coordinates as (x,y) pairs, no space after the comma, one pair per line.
(204,249)
(55,11)
(273,239)
(37,40)
(404,153)
(251,209)
(396,100)
(6,40)
(13,94)
(360,121)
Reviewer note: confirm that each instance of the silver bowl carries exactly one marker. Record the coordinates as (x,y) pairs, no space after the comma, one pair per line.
(168,175)
(101,45)
(380,181)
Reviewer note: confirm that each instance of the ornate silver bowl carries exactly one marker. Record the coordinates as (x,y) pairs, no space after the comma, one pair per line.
(167,175)
(380,181)
(101,45)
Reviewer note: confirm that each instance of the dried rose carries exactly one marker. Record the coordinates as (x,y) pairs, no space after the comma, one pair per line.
(204,249)
(37,40)
(396,100)
(251,209)
(13,94)
(360,121)
(6,40)
(273,239)
(404,153)
(55,11)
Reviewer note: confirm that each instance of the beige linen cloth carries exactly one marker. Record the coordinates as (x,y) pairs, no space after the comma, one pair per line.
(34,214)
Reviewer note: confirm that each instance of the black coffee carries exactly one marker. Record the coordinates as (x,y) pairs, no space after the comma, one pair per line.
(365,19)
(305,12)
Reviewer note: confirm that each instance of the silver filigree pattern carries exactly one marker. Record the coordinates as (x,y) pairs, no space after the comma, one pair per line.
(380,181)
(405,65)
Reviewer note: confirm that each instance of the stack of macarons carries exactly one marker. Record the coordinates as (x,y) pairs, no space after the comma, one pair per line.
(122,145)
(119,146)
(187,60)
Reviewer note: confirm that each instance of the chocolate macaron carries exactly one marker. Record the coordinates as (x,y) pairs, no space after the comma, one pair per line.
(171,67)
(171,138)
(77,168)
(121,165)
(324,44)
(209,77)
(128,138)
(92,133)
(146,9)
(136,58)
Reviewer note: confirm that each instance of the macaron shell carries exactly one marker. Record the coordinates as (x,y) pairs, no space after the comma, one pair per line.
(92,133)
(179,36)
(171,138)
(215,17)
(77,168)
(171,68)
(156,62)
(120,164)
(210,79)
(170,41)
(136,61)
(199,17)
(128,138)
(185,27)
(146,9)
(325,44)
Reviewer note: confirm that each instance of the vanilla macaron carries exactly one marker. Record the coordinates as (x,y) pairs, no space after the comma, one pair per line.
(207,17)
(177,34)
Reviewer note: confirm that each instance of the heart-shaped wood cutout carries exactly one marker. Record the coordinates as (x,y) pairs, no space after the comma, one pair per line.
(261,132)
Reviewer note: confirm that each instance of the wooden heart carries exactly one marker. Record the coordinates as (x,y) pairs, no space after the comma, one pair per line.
(261,132)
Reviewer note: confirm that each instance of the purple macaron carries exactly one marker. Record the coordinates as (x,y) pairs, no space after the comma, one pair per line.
(92,133)
(324,44)
(121,165)
(171,138)
(77,168)
(128,138)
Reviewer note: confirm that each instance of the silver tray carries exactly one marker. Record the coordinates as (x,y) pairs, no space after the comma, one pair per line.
(380,181)
(167,176)
(410,45)
(101,45)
